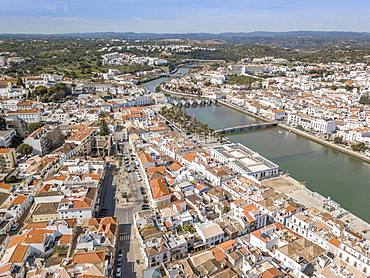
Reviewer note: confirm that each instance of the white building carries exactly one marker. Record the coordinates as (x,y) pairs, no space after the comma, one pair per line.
(210,233)
(245,161)
(6,137)
(28,115)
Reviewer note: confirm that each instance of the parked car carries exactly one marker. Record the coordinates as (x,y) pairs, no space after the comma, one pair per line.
(14,227)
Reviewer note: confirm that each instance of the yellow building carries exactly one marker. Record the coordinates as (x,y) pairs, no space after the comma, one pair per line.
(8,159)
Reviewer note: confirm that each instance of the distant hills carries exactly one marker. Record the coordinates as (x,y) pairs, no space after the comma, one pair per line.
(290,39)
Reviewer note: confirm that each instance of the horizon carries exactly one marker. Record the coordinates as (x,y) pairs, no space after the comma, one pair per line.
(186,33)
(181,17)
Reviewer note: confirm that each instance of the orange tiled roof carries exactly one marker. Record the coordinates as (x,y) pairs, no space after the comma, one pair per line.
(271,273)
(6,186)
(189,156)
(19,254)
(94,257)
(6,268)
(145,158)
(84,203)
(20,199)
(14,240)
(159,188)
(24,111)
(335,242)
(6,150)
(218,254)
(175,166)
(35,225)
(160,169)
(65,239)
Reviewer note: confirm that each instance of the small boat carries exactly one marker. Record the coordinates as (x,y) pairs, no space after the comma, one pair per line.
(280,132)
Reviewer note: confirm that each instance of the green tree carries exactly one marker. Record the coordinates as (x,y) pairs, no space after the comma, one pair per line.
(241,80)
(34,126)
(103,128)
(188,228)
(20,81)
(365,99)
(2,164)
(25,149)
(40,90)
(2,123)
(61,249)
(103,114)
(338,140)
(358,147)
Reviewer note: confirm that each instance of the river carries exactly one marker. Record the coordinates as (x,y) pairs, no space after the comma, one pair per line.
(324,170)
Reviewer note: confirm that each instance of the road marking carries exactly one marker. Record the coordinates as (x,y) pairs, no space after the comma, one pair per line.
(125,237)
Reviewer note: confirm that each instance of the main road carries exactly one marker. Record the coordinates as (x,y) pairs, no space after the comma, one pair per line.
(127,183)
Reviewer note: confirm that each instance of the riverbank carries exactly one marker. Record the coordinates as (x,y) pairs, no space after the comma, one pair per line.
(301,133)
(325,143)
(237,108)
(301,194)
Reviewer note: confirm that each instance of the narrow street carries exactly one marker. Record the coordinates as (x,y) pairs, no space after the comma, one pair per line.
(126,184)
(128,267)
(107,206)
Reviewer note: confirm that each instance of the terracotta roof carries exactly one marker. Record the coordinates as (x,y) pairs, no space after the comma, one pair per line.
(175,166)
(65,239)
(20,199)
(19,254)
(6,268)
(189,156)
(160,169)
(24,103)
(335,242)
(95,257)
(159,188)
(24,111)
(14,240)
(218,254)
(6,186)
(145,158)
(30,237)
(35,225)
(272,273)
(81,134)
(82,203)
(6,150)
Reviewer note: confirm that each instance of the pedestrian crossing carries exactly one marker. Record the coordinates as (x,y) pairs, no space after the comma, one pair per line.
(124,237)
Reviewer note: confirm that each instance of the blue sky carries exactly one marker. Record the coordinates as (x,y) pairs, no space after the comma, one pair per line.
(159,16)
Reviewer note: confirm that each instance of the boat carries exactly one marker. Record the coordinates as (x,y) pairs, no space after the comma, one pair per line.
(280,131)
